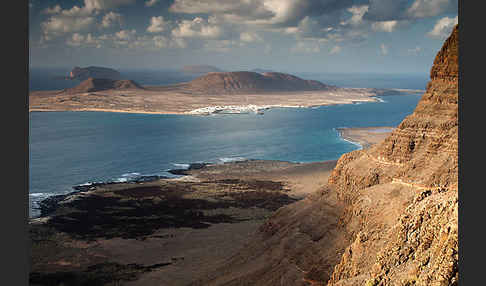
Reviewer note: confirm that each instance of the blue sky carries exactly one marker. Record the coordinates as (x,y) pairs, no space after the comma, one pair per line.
(341,36)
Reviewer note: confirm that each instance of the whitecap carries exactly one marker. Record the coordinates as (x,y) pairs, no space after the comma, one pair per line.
(181,165)
(231,159)
(36,195)
(380,99)
(131,174)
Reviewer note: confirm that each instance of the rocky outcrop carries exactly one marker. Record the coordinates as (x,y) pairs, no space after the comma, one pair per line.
(387,216)
(245,82)
(94,72)
(99,84)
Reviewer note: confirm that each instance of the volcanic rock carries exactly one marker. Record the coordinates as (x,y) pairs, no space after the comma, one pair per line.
(387,216)
(98,84)
(249,82)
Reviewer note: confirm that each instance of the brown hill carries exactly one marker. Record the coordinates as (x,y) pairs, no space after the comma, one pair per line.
(94,72)
(99,84)
(245,81)
(387,216)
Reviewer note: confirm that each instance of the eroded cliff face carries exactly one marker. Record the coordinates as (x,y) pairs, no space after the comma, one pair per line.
(417,243)
(388,215)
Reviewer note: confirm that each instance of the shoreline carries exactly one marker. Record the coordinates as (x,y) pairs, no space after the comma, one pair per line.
(364,137)
(190,224)
(175,174)
(167,231)
(154,101)
(211,110)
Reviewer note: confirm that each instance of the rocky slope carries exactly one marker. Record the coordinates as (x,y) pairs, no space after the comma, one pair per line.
(387,216)
(94,72)
(247,82)
(98,84)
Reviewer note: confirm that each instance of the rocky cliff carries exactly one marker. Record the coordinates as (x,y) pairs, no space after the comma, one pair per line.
(245,82)
(387,216)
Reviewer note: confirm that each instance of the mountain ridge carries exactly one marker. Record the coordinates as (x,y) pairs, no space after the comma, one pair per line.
(246,81)
(100,84)
(387,215)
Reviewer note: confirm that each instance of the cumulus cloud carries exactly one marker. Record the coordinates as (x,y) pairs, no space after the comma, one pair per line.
(250,37)
(58,25)
(220,25)
(331,20)
(431,8)
(335,50)
(157,25)
(386,10)
(151,3)
(312,28)
(160,41)
(90,7)
(443,27)
(78,18)
(281,13)
(105,4)
(54,10)
(357,15)
(197,28)
(125,34)
(82,40)
(110,19)
(384,26)
(233,9)
(128,39)
(383,50)
(291,12)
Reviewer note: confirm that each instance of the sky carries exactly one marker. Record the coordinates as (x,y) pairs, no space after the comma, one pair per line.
(326,36)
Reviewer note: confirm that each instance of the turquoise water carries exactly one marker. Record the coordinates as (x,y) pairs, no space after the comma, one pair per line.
(73,148)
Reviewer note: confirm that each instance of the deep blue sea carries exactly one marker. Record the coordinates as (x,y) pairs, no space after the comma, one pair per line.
(74,148)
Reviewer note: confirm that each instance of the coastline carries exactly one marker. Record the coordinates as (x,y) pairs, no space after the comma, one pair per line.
(190,224)
(186,226)
(364,136)
(153,101)
(213,109)
(161,101)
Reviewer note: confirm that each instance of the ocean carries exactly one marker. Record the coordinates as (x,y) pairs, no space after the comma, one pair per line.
(67,149)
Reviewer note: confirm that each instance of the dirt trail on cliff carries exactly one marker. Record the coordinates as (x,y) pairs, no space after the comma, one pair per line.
(387,215)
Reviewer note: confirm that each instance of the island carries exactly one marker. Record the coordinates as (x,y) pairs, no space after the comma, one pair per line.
(240,92)
(94,72)
(383,215)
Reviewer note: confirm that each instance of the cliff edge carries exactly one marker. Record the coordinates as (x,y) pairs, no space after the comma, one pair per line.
(387,216)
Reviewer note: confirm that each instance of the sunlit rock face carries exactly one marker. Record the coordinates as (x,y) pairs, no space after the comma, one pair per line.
(387,216)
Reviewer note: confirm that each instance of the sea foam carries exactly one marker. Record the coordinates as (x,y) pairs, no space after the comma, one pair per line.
(231,159)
